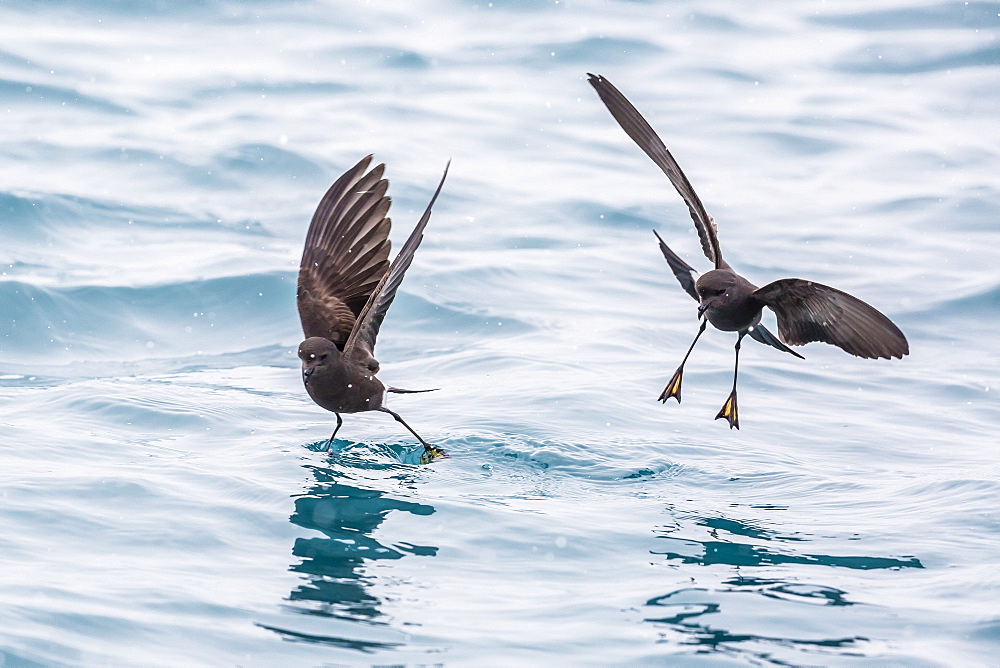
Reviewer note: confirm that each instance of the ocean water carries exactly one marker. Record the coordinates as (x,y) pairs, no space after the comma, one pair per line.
(163,497)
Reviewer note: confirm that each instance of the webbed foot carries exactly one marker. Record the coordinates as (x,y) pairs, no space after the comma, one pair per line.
(673,388)
(729,411)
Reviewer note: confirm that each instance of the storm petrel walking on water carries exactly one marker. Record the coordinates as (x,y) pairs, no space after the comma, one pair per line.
(346,285)
(806,311)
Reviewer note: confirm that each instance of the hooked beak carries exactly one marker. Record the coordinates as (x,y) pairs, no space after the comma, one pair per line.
(701,310)
(305,375)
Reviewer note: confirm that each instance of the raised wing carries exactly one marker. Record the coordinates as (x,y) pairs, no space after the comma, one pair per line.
(643,134)
(346,253)
(682,270)
(366,330)
(809,311)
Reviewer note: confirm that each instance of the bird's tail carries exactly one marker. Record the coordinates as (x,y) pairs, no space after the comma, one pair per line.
(758,333)
(399,390)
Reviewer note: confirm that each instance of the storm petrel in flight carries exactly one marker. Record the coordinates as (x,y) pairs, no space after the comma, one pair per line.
(806,311)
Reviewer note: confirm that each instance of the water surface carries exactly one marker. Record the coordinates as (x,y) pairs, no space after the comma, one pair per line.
(164,499)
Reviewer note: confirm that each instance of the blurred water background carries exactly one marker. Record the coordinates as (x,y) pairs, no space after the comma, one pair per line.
(163,500)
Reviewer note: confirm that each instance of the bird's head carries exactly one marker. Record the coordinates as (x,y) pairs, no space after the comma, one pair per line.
(713,289)
(317,355)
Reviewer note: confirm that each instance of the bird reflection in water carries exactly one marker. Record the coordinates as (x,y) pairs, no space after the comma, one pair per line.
(334,566)
(749,567)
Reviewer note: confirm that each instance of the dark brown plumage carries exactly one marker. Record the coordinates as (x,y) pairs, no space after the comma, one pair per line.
(345,287)
(805,311)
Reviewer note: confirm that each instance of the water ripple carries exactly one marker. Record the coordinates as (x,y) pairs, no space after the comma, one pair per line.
(168,499)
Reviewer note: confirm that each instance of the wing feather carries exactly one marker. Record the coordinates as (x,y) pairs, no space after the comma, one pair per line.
(642,133)
(346,253)
(370,320)
(682,270)
(810,311)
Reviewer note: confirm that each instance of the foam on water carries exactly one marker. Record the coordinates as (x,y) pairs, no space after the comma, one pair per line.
(165,499)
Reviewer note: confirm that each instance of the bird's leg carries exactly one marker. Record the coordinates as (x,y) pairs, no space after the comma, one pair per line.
(673,388)
(729,408)
(430,452)
(340,422)
(408,427)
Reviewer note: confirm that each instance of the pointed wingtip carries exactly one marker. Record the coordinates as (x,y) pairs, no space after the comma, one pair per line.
(437,191)
(595,80)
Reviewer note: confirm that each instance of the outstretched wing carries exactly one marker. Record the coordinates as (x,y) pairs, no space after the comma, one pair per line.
(346,253)
(366,330)
(809,311)
(682,270)
(643,134)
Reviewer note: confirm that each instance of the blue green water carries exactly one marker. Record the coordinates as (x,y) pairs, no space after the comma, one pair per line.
(163,499)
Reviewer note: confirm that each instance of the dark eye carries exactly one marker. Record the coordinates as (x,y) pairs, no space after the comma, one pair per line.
(322,358)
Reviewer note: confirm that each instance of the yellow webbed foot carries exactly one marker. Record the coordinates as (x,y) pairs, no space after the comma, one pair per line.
(673,388)
(729,412)
(431,453)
